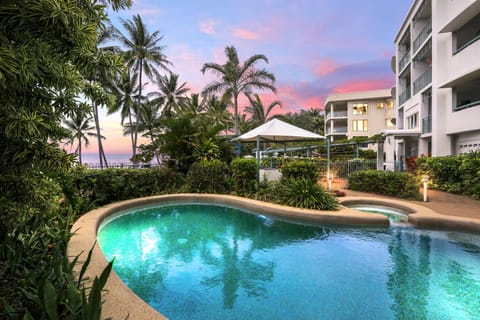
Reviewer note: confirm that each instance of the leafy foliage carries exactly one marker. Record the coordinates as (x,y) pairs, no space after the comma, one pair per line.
(208,176)
(298,169)
(394,184)
(457,174)
(48,57)
(306,193)
(244,176)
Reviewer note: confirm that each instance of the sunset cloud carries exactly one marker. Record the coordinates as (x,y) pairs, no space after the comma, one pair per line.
(325,67)
(245,34)
(208,26)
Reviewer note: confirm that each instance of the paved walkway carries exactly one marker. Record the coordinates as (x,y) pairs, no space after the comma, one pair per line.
(441,202)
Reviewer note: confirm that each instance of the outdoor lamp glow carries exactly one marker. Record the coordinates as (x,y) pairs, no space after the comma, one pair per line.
(425,188)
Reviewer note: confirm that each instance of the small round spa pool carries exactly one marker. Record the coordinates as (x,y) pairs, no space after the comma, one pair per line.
(210,261)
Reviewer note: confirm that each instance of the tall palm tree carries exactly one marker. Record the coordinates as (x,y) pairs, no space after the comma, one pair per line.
(236,77)
(126,90)
(259,113)
(148,122)
(79,123)
(143,54)
(171,93)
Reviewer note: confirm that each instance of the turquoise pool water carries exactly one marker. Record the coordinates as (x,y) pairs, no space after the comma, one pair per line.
(197,261)
(393,214)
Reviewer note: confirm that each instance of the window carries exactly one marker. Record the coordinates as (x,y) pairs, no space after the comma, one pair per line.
(360,125)
(467,34)
(379,105)
(390,104)
(360,109)
(412,121)
(389,123)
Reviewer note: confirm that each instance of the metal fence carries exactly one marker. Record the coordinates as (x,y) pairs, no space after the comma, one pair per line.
(122,165)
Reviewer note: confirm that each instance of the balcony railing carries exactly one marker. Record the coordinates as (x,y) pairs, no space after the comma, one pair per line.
(404,96)
(337,114)
(422,81)
(403,62)
(423,35)
(337,130)
(427,124)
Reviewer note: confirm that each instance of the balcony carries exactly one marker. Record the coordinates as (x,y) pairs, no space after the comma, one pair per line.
(337,130)
(423,35)
(423,80)
(337,114)
(404,96)
(404,61)
(427,124)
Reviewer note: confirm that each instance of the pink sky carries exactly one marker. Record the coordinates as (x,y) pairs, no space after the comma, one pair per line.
(315,47)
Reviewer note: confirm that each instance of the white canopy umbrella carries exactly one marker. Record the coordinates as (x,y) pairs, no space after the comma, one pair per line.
(277,131)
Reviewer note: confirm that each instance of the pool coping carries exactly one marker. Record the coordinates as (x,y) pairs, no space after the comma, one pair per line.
(120,302)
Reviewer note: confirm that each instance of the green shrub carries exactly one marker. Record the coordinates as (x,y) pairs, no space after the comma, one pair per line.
(456,174)
(86,189)
(470,173)
(298,169)
(244,176)
(305,193)
(395,184)
(208,176)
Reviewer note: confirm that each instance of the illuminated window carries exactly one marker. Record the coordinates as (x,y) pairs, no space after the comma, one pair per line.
(389,123)
(360,109)
(390,104)
(412,121)
(379,105)
(360,125)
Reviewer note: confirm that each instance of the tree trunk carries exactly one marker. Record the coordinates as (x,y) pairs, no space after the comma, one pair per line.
(101,153)
(137,115)
(131,130)
(235,101)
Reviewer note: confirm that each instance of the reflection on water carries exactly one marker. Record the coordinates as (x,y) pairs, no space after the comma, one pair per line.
(212,262)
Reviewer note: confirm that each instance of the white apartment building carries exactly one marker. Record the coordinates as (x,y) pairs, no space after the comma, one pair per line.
(437,68)
(358,114)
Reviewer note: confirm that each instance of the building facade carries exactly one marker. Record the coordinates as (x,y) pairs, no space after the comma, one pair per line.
(358,114)
(437,69)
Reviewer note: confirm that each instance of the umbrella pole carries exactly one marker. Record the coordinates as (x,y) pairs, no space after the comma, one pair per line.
(258,158)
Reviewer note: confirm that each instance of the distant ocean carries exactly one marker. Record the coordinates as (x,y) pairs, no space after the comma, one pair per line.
(93,158)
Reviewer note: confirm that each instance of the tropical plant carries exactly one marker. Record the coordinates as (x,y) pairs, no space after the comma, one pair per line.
(148,123)
(125,89)
(49,52)
(208,176)
(258,111)
(236,77)
(217,112)
(305,193)
(143,54)
(171,96)
(79,123)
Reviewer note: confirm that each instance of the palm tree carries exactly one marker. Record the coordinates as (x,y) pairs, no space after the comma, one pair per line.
(193,105)
(260,114)
(148,123)
(236,77)
(78,123)
(126,90)
(171,94)
(143,54)
(217,111)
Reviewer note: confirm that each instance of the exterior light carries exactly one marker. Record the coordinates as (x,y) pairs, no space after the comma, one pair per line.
(425,188)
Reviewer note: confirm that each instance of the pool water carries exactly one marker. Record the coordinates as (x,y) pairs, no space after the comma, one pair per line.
(196,261)
(394,215)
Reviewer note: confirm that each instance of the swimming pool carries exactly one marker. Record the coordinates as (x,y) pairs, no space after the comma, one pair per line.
(199,261)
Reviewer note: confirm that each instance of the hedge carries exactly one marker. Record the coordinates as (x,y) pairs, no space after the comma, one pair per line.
(394,184)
